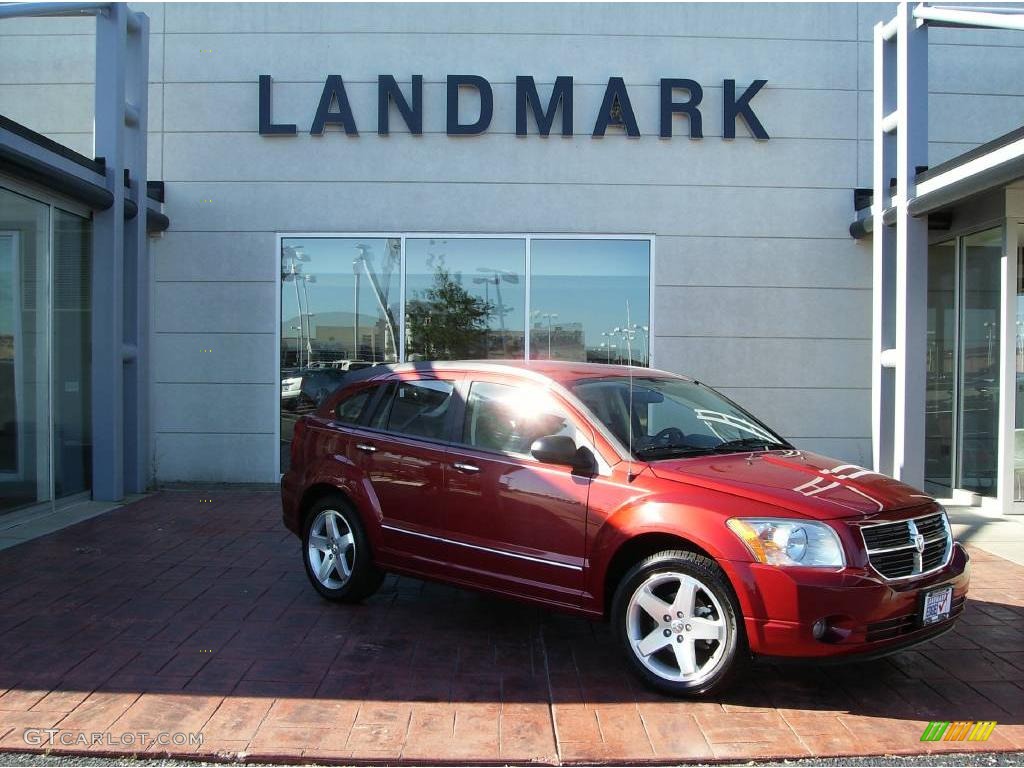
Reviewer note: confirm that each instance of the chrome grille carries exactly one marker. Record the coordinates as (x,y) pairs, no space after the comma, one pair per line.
(894,551)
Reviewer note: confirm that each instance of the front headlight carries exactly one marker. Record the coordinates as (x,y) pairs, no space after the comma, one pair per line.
(790,542)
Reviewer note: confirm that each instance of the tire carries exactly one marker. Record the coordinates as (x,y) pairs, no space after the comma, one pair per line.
(701,648)
(354,577)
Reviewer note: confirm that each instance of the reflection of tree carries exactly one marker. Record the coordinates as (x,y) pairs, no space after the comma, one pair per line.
(446,322)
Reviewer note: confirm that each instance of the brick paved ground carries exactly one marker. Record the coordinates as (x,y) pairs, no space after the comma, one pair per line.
(190,612)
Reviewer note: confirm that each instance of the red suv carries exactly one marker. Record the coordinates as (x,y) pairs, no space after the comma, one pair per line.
(629,494)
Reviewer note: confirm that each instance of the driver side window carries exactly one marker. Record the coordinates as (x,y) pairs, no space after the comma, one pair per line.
(507,419)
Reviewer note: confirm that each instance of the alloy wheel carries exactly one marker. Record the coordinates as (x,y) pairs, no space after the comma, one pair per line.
(332,549)
(677,628)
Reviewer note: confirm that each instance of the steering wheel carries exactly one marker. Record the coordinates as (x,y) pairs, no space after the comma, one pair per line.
(669,436)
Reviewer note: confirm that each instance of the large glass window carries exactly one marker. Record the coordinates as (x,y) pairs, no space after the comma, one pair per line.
(465,298)
(590,300)
(352,301)
(24,351)
(72,353)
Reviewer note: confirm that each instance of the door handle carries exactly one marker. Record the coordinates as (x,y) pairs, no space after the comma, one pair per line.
(366,447)
(466,467)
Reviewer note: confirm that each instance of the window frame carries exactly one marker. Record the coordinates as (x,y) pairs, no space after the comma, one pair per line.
(529,237)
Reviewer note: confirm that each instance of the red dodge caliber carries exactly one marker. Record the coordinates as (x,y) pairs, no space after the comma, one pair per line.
(634,495)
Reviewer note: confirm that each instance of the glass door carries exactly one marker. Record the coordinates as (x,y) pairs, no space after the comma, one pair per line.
(980,336)
(962,395)
(24,352)
(940,394)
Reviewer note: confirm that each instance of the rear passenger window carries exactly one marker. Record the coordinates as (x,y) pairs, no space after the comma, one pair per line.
(418,408)
(350,410)
(508,419)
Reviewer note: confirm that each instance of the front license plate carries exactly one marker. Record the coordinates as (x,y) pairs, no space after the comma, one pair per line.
(936,605)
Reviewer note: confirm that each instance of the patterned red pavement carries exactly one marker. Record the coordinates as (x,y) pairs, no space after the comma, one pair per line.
(189,612)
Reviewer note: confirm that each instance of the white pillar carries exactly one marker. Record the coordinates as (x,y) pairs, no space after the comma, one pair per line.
(137,268)
(108,259)
(1008,362)
(882,249)
(911,249)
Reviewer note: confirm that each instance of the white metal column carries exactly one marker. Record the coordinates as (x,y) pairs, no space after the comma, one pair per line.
(901,71)
(108,258)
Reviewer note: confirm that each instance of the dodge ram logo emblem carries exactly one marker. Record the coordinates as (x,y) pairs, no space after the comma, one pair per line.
(919,542)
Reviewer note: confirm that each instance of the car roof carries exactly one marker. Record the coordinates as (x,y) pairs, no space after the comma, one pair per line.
(561,371)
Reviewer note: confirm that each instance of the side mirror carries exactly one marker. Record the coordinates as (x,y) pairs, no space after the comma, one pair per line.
(561,449)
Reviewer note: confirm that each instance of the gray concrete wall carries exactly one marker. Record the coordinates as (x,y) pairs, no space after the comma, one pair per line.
(760,290)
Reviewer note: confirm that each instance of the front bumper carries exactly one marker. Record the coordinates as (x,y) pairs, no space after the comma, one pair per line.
(867,615)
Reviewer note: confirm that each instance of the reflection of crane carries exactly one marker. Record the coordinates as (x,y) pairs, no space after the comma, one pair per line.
(496,277)
(361,265)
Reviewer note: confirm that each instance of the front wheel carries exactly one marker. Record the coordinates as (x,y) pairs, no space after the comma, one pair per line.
(679,624)
(337,553)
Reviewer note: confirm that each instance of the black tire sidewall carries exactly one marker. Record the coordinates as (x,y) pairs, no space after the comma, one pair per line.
(363,572)
(713,579)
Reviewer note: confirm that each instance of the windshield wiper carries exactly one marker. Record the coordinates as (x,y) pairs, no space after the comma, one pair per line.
(663,451)
(744,443)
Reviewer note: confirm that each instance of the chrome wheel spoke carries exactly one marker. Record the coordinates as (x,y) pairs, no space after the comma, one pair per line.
(325,567)
(654,641)
(344,542)
(706,629)
(686,657)
(684,600)
(319,542)
(342,567)
(331,521)
(655,607)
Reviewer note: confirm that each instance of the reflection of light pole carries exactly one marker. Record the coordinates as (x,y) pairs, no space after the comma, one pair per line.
(306,279)
(292,270)
(298,345)
(549,316)
(497,276)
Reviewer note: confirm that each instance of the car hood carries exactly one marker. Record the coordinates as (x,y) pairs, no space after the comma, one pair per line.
(806,483)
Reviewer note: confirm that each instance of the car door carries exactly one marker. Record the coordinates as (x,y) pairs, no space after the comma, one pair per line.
(514,524)
(401,450)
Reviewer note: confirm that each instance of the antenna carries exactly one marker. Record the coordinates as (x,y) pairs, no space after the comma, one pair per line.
(629,359)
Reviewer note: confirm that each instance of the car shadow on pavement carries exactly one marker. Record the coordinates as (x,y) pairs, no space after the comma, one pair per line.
(203,595)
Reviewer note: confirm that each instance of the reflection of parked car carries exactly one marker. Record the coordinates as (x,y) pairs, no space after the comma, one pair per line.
(648,499)
(318,383)
(309,386)
(291,388)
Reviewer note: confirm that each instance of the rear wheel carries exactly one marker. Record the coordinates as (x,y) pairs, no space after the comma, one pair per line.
(679,624)
(336,552)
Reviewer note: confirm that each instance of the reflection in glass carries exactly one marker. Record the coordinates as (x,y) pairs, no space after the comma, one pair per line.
(940,393)
(590,300)
(465,298)
(72,353)
(979,374)
(339,310)
(24,359)
(339,300)
(1018,431)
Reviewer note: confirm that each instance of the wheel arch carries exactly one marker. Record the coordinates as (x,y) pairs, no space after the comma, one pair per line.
(634,549)
(321,490)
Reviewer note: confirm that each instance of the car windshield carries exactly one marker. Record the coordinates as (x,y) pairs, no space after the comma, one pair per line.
(671,418)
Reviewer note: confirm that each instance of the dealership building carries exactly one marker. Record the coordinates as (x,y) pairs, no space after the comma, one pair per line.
(208,211)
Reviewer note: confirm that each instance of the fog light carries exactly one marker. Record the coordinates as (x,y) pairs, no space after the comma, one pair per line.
(819,629)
